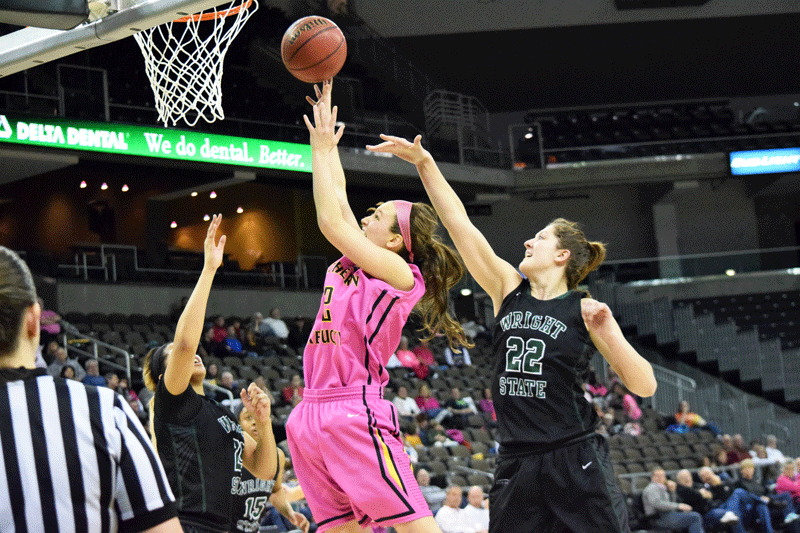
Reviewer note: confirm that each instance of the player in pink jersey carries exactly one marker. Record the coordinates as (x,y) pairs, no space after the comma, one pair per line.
(344,437)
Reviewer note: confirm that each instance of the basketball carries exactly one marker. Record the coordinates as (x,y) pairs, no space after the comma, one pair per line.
(313,49)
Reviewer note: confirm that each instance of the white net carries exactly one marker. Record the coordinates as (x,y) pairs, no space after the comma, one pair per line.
(183,60)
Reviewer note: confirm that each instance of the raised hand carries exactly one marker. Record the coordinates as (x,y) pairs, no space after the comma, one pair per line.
(414,153)
(258,403)
(324,135)
(213,251)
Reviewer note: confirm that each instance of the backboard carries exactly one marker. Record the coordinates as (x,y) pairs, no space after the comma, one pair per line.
(29,47)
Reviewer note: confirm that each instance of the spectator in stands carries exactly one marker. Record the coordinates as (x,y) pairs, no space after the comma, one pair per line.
(293,393)
(487,407)
(732,456)
(457,357)
(662,508)
(594,386)
(449,515)
(68,372)
(406,357)
(424,353)
(700,499)
(252,344)
(621,398)
(227,382)
(407,408)
(780,501)
(112,380)
(433,495)
(93,376)
(475,516)
(233,346)
(460,409)
(787,484)
(61,360)
(429,405)
(431,433)
(773,453)
(277,325)
(212,374)
(50,327)
(220,332)
(299,330)
(207,346)
(740,449)
(684,416)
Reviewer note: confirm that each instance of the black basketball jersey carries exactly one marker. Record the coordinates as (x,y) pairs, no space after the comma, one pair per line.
(541,356)
(250,499)
(200,444)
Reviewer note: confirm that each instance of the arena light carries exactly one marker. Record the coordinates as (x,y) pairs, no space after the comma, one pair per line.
(104,186)
(194,193)
(83,184)
(730,272)
(173,225)
(466,292)
(125,188)
(206,218)
(212,195)
(239,210)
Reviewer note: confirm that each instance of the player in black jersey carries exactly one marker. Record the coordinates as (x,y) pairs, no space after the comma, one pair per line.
(199,441)
(251,496)
(553,467)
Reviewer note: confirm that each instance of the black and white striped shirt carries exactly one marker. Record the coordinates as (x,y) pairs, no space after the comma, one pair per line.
(75,458)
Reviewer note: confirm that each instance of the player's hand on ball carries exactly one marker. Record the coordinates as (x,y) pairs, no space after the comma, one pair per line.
(300,521)
(258,403)
(414,153)
(595,314)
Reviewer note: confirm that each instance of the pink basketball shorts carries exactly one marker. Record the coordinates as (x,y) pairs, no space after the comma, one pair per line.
(349,459)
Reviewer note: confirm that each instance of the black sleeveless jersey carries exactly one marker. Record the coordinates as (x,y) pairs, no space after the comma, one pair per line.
(541,357)
(250,499)
(200,444)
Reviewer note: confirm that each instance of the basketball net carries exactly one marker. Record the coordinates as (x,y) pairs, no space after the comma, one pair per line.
(183,60)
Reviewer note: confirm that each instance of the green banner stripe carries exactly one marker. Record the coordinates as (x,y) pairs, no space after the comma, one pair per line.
(153,141)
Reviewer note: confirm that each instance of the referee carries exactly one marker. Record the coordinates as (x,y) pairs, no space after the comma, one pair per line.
(73,458)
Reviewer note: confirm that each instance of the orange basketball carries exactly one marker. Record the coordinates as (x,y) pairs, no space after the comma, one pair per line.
(313,49)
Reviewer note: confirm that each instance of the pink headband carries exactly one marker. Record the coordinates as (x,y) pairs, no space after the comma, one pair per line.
(403,210)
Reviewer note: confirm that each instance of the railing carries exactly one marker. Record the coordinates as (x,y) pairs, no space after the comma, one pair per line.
(732,470)
(106,254)
(71,337)
(672,389)
(675,268)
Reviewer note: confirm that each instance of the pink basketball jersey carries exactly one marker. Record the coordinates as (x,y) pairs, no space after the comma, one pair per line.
(358,327)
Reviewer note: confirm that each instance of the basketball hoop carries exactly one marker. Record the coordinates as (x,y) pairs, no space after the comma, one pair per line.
(183,61)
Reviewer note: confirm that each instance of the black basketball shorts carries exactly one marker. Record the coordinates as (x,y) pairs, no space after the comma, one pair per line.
(571,487)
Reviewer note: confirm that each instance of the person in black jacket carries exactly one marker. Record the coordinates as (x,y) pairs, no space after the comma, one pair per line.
(701,501)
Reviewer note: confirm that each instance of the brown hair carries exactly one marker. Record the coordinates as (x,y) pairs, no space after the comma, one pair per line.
(17,293)
(584,256)
(441,268)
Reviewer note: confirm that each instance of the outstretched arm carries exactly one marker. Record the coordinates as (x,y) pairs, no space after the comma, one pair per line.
(337,172)
(260,456)
(190,325)
(496,276)
(633,369)
(375,260)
